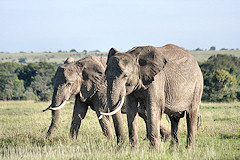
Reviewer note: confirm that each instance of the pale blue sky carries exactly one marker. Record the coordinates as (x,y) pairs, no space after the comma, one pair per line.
(51,25)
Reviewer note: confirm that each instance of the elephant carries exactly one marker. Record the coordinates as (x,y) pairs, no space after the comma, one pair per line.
(164,79)
(85,79)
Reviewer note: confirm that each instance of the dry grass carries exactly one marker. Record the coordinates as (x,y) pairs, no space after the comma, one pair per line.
(23,127)
(60,57)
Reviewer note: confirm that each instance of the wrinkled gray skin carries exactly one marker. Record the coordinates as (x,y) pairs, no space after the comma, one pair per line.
(86,80)
(164,79)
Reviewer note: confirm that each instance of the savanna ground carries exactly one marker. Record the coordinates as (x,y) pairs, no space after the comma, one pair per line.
(60,57)
(23,128)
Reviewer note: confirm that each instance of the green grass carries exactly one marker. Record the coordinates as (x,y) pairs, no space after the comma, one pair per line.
(55,57)
(202,56)
(23,128)
(60,57)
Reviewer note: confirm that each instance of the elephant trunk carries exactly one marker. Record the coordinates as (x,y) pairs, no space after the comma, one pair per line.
(54,123)
(115,110)
(115,102)
(58,100)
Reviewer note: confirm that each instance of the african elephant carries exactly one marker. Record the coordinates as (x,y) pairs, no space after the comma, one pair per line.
(164,79)
(84,79)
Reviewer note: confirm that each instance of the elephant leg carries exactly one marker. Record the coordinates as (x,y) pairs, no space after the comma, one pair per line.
(153,114)
(192,118)
(132,112)
(165,132)
(106,126)
(174,129)
(142,113)
(118,125)
(79,113)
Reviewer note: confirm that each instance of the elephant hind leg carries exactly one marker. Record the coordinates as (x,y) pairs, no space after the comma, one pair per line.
(165,132)
(142,113)
(192,118)
(174,130)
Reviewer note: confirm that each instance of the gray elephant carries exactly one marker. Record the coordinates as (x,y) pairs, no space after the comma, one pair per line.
(164,79)
(85,79)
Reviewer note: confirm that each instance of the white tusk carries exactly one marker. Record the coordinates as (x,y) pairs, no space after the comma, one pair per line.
(59,107)
(116,110)
(104,110)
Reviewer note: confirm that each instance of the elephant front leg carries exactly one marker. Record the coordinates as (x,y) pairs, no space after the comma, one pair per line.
(132,117)
(79,113)
(118,125)
(106,126)
(154,125)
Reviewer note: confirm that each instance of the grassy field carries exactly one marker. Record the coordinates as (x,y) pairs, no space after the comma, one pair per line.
(23,128)
(59,57)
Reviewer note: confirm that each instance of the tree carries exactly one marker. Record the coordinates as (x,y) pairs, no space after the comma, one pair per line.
(10,87)
(222,87)
(219,71)
(198,49)
(213,48)
(73,50)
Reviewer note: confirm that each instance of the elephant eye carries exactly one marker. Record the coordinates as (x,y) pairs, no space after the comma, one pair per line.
(125,75)
(128,84)
(69,83)
(142,62)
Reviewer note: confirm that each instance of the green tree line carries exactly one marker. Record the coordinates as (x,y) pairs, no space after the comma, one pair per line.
(24,82)
(34,81)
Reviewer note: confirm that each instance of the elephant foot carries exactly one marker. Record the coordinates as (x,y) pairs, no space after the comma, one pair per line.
(174,145)
(165,138)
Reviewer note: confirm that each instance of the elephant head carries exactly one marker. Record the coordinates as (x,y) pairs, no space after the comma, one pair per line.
(127,72)
(83,77)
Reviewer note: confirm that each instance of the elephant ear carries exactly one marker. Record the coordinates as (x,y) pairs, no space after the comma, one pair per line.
(151,62)
(111,52)
(92,77)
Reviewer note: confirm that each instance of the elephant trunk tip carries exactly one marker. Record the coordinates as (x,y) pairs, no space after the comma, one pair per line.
(48,108)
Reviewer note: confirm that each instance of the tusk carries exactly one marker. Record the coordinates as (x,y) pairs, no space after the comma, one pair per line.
(47,108)
(116,110)
(104,110)
(59,107)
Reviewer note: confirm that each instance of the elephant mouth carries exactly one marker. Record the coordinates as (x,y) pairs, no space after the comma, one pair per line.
(55,108)
(118,108)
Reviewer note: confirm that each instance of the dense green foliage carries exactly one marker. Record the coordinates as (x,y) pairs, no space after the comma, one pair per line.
(221,78)
(32,81)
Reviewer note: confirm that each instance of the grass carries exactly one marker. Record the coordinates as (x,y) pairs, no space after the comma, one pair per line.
(60,57)
(23,128)
(55,57)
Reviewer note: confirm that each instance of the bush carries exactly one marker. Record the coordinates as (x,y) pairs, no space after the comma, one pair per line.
(24,97)
(221,78)
(45,97)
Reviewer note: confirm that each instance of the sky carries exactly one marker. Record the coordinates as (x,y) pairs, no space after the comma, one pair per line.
(52,25)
